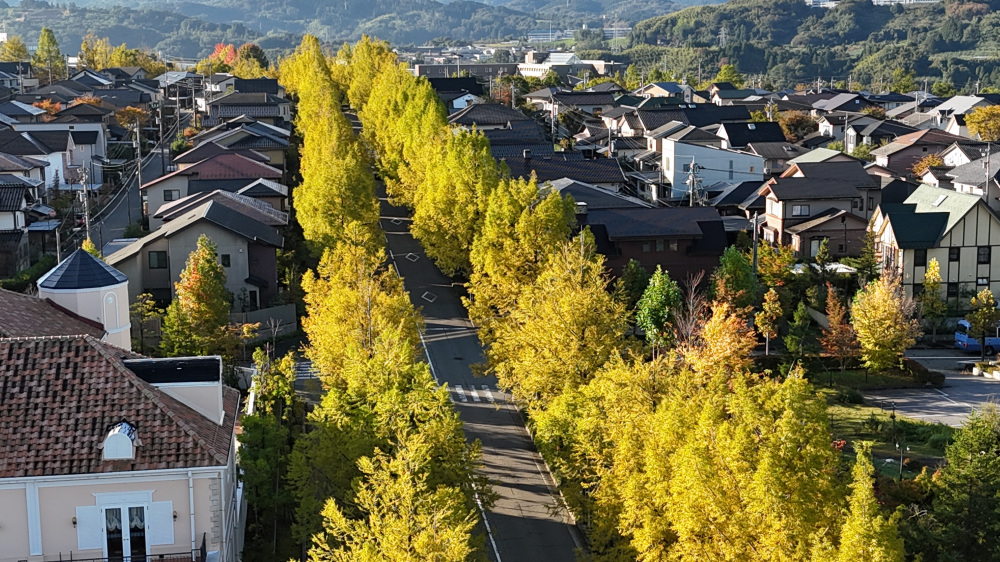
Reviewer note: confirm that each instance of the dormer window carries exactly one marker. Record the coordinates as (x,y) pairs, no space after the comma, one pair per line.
(120,442)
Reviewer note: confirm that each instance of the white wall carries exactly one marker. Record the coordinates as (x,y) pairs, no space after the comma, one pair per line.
(717,165)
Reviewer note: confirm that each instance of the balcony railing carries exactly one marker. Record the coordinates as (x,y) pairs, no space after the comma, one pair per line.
(192,556)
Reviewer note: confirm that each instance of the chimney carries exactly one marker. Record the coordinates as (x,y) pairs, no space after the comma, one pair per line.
(526,153)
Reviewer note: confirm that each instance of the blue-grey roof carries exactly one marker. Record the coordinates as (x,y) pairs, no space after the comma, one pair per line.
(82,271)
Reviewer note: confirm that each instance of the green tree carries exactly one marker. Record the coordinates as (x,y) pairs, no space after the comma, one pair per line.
(91,248)
(196,320)
(728,73)
(95,53)
(966,504)
(14,50)
(838,339)
(868,535)
(49,57)
(632,283)
(797,124)
(767,319)
(867,263)
(734,279)
(903,81)
(943,89)
(933,307)
(143,313)
(883,318)
(984,122)
(655,310)
(983,318)
(863,152)
(801,339)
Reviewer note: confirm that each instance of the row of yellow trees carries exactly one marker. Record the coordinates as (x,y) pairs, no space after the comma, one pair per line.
(688,456)
(385,472)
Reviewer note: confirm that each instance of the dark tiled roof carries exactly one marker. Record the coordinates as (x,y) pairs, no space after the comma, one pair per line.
(606,87)
(246,205)
(697,115)
(974,173)
(742,134)
(85,109)
(243,225)
(501,137)
(602,170)
(81,271)
(12,197)
(12,142)
(538,150)
(801,189)
(28,316)
(256,86)
(913,229)
(263,188)
(701,223)
(11,163)
(583,98)
(486,114)
(775,150)
(852,172)
(62,396)
(224,166)
(256,99)
(738,194)
(594,197)
(207,150)
(463,84)
(123,96)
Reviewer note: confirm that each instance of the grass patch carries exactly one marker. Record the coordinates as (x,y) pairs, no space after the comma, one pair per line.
(860,422)
(862,380)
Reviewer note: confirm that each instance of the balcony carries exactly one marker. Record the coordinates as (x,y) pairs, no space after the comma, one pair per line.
(192,556)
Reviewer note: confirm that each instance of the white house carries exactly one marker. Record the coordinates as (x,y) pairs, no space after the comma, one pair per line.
(712,165)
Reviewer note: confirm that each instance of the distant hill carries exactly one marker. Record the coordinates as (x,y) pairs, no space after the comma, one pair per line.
(785,42)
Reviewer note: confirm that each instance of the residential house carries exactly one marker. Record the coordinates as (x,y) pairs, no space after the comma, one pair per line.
(823,155)
(22,112)
(682,92)
(681,240)
(957,229)
(92,79)
(901,154)
(835,124)
(724,97)
(229,171)
(14,249)
(484,116)
(110,456)
(711,165)
(245,133)
(266,108)
(775,154)
(603,172)
(246,247)
(959,105)
(873,134)
(26,77)
(979,178)
(891,100)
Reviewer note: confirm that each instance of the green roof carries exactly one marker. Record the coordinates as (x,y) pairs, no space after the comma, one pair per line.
(815,155)
(928,199)
(927,215)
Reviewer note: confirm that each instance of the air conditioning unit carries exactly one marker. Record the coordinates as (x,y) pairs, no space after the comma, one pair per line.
(767,171)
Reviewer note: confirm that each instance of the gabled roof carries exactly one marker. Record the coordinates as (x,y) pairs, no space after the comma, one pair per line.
(574,99)
(81,271)
(240,98)
(595,197)
(735,194)
(606,87)
(123,97)
(29,316)
(883,129)
(659,222)
(210,149)
(927,215)
(12,198)
(64,394)
(602,170)
(850,172)
(961,104)
(253,208)
(463,84)
(11,163)
(775,150)
(15,108)
(264,188)
(486,114)
(804,189)
(223,166)
(84,109)
(824,217)
(257,86)
(839,102)
(918,138)
(975,173)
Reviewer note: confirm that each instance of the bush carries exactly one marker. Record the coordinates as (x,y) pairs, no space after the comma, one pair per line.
(850,396)
(26,278)
(922,374)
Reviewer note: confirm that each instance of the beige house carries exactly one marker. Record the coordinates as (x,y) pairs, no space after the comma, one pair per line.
(246,248)
(107,455)
(957,229)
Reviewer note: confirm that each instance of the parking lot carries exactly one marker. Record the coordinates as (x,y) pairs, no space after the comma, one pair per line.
(950,404)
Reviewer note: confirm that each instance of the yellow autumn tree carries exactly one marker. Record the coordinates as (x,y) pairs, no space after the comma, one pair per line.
(883,318)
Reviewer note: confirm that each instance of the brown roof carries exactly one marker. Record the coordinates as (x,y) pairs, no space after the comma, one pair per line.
(60,397)
(224,166)
(26,316)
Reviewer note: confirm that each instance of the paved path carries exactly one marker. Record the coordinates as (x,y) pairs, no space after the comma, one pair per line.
(950,404)
(527,522)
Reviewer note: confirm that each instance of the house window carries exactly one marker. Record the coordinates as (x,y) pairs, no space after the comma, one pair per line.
(953,254)
(225,259)
(983,254)
(920,257)
(871,202)
(171,194)
(686,168)
(645,247)
(659,245)
(673,245)
(800,210)
(982,281)
(952,290)
(157,260)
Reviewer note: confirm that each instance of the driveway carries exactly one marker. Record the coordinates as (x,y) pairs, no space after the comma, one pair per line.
(950,404)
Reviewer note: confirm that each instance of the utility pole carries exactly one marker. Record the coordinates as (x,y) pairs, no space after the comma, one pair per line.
(85,197)
(138,169)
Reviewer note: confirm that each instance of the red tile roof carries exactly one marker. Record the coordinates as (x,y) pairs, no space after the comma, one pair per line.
(60,396)
(223,166)
(25,315)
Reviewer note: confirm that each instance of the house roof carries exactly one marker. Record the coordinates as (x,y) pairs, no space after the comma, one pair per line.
(735,194)
(961,104)
(840,101)
(210,149)
(701,223)
(850,172)
(122,97)
(583,98)
(486,114)
(257,86)
(252,98)
(64,394)
(223,166)
(823,218)
(29,316)
(262,188)
(462,84)
(691,114)
(252,208)
(602,170)
(918,138)
(804,189)
(595,197)
(776,150)
(817,155)
(606,87)
(879,129)
(927,215)
(12,197)
(974,173)
(742,134)
(81,271)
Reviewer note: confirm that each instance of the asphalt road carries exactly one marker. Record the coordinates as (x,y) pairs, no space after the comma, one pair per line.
(528,522)
(950,404)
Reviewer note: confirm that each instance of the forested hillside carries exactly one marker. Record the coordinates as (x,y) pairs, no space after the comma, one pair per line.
(786,42)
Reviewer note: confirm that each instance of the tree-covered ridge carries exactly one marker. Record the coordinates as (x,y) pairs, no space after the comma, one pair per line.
(785,42)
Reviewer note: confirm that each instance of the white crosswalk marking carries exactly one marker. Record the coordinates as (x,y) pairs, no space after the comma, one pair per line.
(305,370)
(461,393)
(475,395)
(488,394)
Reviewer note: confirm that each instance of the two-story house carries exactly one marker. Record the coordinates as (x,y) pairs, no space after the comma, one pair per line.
(711,164)
(906,150)
(957,229)
(14,248)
